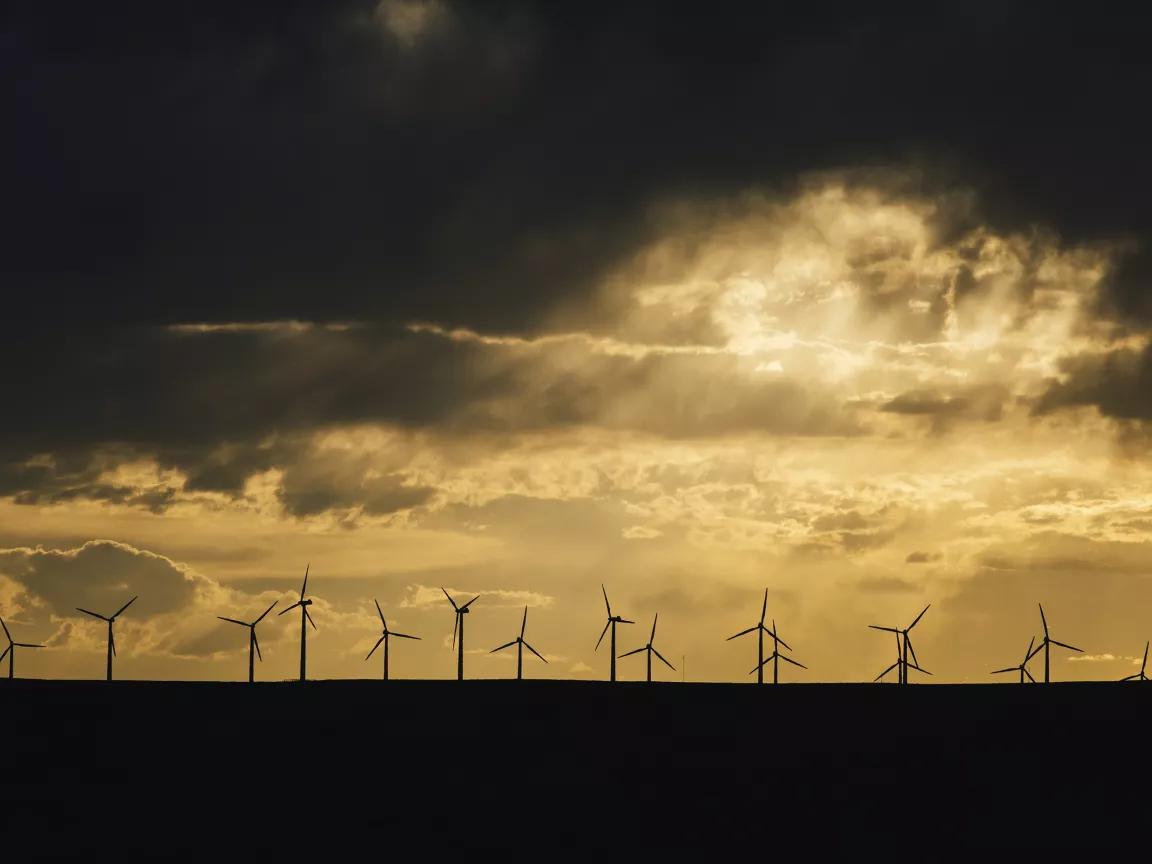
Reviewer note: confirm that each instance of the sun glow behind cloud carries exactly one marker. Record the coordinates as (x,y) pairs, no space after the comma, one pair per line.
(836,394)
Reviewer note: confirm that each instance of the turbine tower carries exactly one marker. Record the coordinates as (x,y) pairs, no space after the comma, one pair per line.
(760,630)
(384,638)
(11,650)
(1139,676)
(650,649)
(905,645)
(775,657)
(305,620)
(1047,644)
(253,642)
(520,646)
(899,665)
(1023,667)
(111,636)
(613,620)
(461,611)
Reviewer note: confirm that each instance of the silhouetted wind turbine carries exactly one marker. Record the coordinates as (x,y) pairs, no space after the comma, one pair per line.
(898,665)
(1023,667)
(906,646)
(760,630)
(384,638)
(305,620)
(111,636)
(520,646)
(650,649)
(613,620)
(253,642)
(1047,643)
(461,611)
(775,657)
(1139,676)
(11,649)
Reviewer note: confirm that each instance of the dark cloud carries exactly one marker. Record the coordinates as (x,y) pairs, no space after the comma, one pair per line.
(1118,383)
(219,161)
(922,557)
(985,402)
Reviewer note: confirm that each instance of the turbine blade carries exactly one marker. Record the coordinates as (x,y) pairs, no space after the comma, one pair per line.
(634,651)
(450,600)
(742,633)
(266,611)
(5,626)
(309,617)
(655,618)
(607,605)
(1035,650)
(918,617)
(1043,620)
(911,650)
(5,653)
(93,614)
(470,602)
(661,656)
(524,623)
(1028,653)
(256,642)
(1066,645)
(290,608)
(404,636)
(1145,663)
(125,606)
(1029,674)
(601,639)
(379,642)
(304,587)
(886,671)
(1129,678)
(112,640)
(502,647)
(27,645)
(534,651)
(790,660)
(878,627)
(1010,669)
(764,608)
(775,636)
(380,612)
(624,621)
(233,621)
(918,669)
(455,624)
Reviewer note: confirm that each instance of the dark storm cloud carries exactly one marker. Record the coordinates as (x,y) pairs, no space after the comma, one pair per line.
(214,160)
(984,402)
(1118,383)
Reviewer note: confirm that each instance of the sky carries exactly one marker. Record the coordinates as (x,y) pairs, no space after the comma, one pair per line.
(519,298)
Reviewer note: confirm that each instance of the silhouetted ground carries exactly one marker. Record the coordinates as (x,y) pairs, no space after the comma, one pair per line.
(917,772)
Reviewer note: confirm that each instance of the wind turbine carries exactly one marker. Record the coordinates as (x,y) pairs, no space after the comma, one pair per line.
(11,650)
(775,657)
(520,646)
(1139,676)
(384,638)
(613,620)
(651,650)
(1023,667)
(253,642)
(760,630)
(461,611)
(905,645)
(305,620)
(1047,644)
(111,636)
(899,664)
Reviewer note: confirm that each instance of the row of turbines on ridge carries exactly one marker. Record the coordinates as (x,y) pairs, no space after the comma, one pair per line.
(905,652)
